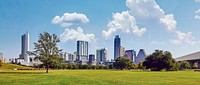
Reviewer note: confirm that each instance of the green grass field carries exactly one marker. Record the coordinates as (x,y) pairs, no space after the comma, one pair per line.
(95,77)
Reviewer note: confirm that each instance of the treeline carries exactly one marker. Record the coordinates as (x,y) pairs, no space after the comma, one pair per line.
(157,61)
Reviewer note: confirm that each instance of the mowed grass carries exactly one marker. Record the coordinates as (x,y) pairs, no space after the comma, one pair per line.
(97,77)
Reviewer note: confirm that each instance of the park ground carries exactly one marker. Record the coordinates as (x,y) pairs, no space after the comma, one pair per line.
(8,76)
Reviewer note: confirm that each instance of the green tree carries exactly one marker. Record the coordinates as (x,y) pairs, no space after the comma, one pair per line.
(134,66)
(46,50)
(184,65)
(140,65)
(159,60)
(195,66)
(1,63)
(122,63)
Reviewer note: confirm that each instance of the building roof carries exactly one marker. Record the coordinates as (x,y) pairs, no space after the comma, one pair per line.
(192,56)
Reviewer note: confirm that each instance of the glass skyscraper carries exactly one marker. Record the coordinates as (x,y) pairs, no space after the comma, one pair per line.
(25,47)
(140,56)
(129,54)
(117,44)
(101,55)
(82,50)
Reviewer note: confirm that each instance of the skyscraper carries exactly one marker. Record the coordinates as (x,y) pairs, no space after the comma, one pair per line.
(82,50)
(25,47)
(101,55)
(91,57)
(122,51)
(129,54)
(117,44)
(141,56)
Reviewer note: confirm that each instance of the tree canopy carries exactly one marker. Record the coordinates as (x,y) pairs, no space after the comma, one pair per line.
(160,60)
(122,63)
(46,50)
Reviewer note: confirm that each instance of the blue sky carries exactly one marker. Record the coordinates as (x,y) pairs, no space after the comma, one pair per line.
(162,24)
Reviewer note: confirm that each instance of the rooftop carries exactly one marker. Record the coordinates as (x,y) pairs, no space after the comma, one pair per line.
(192,56)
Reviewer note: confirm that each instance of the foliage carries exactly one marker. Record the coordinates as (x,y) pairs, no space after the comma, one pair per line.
(134,66)
(1,63)
(159,60)
(122,63)
(140,65)
(195,66)
(176,66)
(184,65)
(46,50)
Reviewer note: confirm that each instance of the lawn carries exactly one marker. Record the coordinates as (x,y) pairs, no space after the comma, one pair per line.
(97,77)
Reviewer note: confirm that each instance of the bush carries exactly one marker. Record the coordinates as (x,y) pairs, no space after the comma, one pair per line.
(111,66)
(195,66)
(184,65)
(93,67)
(134,66)
(105,67)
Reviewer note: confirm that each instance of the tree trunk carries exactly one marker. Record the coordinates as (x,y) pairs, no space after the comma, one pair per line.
(47,68)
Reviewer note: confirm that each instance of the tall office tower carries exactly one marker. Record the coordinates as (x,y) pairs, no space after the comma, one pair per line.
(91,57)
(117,44)
(25,47)
(141,56)
(101,55)
(129,54)
(1,57)
(82,50)
(122,51)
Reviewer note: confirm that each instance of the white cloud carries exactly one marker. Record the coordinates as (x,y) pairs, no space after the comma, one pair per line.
(198,11)
(149,11)
(69,19)
(197,0)
(124,22)
(71,34)
(184,38)
(144,8)
(169,22)
(197,17)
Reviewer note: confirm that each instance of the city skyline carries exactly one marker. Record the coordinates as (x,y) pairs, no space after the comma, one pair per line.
(165,25)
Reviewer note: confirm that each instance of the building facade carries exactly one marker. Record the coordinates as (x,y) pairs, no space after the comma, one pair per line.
(122,51)
(91,57)
(117,44)
(68,56)
(140,56)
(130,54)
(101,55)
(25,47)
(82,50)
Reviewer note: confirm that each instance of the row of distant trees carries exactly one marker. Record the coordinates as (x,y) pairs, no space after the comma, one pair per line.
(47,51)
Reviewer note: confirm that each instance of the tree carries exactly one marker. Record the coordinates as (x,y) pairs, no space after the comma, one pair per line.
(1,63)
(195,66)
(140,65)
(184,65)
(159,60)
(46,50)
(122,63)
(134,66)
